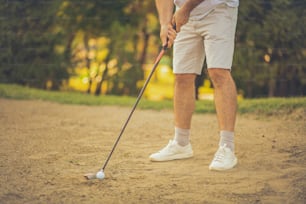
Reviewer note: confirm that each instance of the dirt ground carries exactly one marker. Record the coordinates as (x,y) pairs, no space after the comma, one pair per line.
(46,148)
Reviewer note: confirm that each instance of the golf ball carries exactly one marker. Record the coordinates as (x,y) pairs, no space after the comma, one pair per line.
(100,175)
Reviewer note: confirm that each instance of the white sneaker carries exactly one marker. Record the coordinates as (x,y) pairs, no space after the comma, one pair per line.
(224,159)
(172,151)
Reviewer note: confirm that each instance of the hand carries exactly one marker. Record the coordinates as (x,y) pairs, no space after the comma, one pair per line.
(180,18)
(167,35)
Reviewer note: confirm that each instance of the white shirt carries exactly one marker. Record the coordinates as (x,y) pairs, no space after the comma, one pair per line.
(205,7)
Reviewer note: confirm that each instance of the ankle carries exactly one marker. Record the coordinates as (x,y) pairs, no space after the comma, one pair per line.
(182,136)
(227,138)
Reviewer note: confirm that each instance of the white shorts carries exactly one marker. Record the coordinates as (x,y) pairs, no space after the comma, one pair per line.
(211,37)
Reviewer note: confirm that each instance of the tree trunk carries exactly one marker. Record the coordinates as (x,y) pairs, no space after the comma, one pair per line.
(146,37)
(99,84)
(249,89)
(104,73)
(68,46)
(85,41)
(271,86)
(272,79)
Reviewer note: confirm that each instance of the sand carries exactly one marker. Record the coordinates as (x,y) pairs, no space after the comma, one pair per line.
(47,147)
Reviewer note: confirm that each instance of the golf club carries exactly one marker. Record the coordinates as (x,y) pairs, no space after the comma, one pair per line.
(100,174)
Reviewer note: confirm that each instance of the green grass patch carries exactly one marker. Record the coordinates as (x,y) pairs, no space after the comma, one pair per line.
(25,93)
(273,106)
(267,106)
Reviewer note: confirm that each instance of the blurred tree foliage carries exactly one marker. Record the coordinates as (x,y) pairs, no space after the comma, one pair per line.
(270,58)
(125,23)
(42,42)
(28,39)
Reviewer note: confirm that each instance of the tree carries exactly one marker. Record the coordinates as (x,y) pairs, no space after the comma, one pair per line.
(270,52)
(127,25)
(28,42)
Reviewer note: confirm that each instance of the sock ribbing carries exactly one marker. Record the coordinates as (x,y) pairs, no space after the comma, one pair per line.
(227,138)
(182,136)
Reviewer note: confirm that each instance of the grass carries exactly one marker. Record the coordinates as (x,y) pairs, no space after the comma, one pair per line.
(270,106)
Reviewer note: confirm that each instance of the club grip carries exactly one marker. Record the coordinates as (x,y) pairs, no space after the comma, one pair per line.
(165,47)
(174,26)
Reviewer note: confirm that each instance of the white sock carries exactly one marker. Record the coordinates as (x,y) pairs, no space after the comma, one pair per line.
(227,137)
(182,136)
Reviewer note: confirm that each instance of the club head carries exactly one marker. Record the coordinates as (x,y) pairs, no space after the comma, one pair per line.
(99,175)
(90,176)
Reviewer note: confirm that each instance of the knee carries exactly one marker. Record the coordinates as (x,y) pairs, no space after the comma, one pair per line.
(184,80)
(219,77)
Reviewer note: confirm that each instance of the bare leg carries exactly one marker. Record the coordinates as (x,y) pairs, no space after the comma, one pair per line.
(225,98)
(184,100)
(184,104)
(226,107)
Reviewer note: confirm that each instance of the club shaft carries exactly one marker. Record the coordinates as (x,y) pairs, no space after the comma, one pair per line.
(135,105)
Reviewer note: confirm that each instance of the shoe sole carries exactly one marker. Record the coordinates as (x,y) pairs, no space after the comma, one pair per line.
(176,157)
(224,169)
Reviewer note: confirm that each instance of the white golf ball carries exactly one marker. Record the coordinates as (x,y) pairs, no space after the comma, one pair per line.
(100,175)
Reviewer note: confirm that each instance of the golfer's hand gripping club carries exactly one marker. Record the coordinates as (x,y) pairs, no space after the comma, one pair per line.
(166,46)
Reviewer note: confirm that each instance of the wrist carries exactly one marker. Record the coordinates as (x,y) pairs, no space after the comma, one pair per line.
(190,5)
(164,26)
(186,8)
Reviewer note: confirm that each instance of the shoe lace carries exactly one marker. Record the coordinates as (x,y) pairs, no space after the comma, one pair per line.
(167,148)
(220,154)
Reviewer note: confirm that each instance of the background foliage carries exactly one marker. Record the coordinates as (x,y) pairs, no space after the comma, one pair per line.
(44,44)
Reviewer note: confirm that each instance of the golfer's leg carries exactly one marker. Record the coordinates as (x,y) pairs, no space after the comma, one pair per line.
(184,104)
(184,100)
(188,58)
(226,106)
(225,98)
(219,45)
